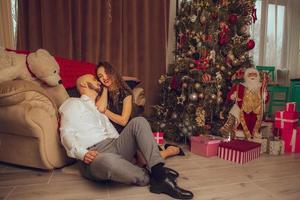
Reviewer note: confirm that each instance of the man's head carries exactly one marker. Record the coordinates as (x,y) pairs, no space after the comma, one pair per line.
(88,84)
(252,79)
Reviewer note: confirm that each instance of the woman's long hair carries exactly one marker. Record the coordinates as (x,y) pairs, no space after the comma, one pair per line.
(114,75)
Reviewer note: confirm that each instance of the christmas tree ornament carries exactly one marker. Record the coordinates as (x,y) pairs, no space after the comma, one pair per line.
(193,97)
(184,85)
(193,18)
(244,29)
(162,79)
(162,125)
(197,86)
(206,78)
(213,96)
(233,18)
(223,68)
(181,99)
(201,95)
(250,44)
(184,130)
(174,115)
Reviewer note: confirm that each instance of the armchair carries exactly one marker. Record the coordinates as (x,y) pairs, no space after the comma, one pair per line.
(28,126)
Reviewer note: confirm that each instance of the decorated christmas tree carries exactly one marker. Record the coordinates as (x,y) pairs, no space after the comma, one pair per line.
(212,49)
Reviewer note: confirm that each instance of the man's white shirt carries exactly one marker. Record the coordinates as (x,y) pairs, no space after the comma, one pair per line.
(82,126)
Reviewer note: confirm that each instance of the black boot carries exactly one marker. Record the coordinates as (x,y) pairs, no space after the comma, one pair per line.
(169,187)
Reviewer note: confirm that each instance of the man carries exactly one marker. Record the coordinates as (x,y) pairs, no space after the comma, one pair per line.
(250,98)
(88,136)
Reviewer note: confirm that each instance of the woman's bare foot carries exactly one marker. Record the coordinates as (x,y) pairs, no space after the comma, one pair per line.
(170,151)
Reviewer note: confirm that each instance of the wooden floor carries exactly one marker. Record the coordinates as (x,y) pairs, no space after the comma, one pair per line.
(266,178)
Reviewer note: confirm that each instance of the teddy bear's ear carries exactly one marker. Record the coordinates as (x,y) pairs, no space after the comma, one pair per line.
(42,52)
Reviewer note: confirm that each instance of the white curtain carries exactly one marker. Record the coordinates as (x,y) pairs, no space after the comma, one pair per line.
(276,33)
(293,38)
(6,25)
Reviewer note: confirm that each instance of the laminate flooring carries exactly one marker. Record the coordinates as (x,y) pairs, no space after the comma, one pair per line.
(266,178)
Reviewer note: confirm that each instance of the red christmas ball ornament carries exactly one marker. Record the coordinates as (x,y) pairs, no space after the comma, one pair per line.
(233,18)
(206,78)
(250,44)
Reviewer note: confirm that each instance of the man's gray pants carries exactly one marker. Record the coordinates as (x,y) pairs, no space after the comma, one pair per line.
(115,155)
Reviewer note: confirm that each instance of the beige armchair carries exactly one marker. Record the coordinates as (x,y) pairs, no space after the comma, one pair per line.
(29,125)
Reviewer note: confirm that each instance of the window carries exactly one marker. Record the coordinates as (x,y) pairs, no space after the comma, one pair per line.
(269,32)
(14,12)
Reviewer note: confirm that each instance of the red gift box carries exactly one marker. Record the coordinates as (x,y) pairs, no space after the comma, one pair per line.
(286,120)
(159,137)
(239,151)
(204,145)
(291,138)
(290,106)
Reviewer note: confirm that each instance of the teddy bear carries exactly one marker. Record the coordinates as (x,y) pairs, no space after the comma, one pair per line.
(39,67)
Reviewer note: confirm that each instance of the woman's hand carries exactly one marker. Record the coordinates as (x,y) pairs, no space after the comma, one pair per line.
(102,109)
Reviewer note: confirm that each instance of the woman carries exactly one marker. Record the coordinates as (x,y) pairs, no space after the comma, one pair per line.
(116,102)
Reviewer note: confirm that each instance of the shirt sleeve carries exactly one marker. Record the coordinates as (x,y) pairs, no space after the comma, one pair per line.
(70,115)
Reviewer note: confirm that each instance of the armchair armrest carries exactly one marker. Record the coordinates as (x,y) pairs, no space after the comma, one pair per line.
(138,95)
(20,102)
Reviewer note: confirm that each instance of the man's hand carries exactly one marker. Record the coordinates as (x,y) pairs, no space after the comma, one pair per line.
(89,157)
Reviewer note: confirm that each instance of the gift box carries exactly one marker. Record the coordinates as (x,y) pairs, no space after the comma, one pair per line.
(263,142)
(159,137)
(239,151)
(276,147)
(205,145)
(286,120)
(290,107)
(291,138)
(267,128)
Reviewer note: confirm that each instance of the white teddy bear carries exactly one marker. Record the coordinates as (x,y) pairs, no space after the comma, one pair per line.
(39,65)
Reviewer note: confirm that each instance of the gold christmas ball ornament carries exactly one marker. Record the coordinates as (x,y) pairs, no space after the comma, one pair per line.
(197,86)
(218,66)
(213,96)
(203,19)
(229,73)
(162,125)
(184,85)
(223,68)
(176,69)
(193,18)
(220,100)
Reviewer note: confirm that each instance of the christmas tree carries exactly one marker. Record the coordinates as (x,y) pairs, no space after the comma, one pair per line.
(212,49)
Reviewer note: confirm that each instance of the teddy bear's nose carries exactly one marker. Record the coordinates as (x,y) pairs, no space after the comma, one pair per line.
(60,82)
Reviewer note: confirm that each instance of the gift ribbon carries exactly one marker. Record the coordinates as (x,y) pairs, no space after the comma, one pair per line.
(284,120)
(293,140)
(293,104)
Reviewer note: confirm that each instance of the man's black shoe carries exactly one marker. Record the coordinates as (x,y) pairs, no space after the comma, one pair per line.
(169,187)
(171,173)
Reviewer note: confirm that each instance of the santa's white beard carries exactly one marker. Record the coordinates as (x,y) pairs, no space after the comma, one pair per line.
(253,85)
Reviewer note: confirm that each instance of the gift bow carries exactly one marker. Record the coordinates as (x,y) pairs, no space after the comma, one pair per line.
(293,140)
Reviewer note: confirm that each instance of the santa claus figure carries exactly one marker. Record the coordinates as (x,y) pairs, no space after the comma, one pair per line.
(247,112)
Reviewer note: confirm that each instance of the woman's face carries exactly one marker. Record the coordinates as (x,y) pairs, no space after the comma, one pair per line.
(104,78)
